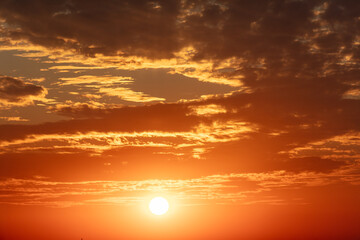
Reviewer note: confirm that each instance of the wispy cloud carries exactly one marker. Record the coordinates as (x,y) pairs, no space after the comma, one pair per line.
(14,119)
(128,95)
(100,80)
(247,188)
(200,135)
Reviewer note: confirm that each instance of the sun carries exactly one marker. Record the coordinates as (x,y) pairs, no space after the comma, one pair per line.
(159,206)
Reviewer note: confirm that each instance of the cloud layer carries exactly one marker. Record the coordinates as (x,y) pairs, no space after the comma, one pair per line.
(291,108)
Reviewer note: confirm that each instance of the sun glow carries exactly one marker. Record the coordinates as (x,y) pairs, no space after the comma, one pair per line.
(159,206)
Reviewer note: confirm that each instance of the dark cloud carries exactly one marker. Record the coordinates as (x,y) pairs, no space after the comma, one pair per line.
(161,117)
(81,110)
(14,90)
(133,27)
(217,29)
(277,42)
(296,58)
(295,44)
(125,163)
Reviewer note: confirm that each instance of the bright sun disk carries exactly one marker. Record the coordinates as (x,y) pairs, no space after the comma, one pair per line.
(159,206)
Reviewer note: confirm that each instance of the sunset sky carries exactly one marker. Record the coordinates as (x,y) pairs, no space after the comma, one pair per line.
(244,115)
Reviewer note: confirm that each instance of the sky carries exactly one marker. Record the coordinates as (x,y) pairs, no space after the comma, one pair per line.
(244,115)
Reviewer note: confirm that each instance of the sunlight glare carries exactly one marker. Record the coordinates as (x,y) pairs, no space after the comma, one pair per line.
(159,206)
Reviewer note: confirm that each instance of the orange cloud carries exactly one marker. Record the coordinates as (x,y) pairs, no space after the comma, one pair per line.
(208,109)
(98,142)
(14,119)
(128,95)
(101,80)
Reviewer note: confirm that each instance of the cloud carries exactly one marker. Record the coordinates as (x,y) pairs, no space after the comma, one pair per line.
(101,80)
(14,119)
(256,45)
(295,64)
(208,109)
(128,95)
(16,92)
(160,117)
(239,134)
(130,26)
(98,142)
(343,147)
(208,26)
(352,94)
(248,188)
(87,109)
